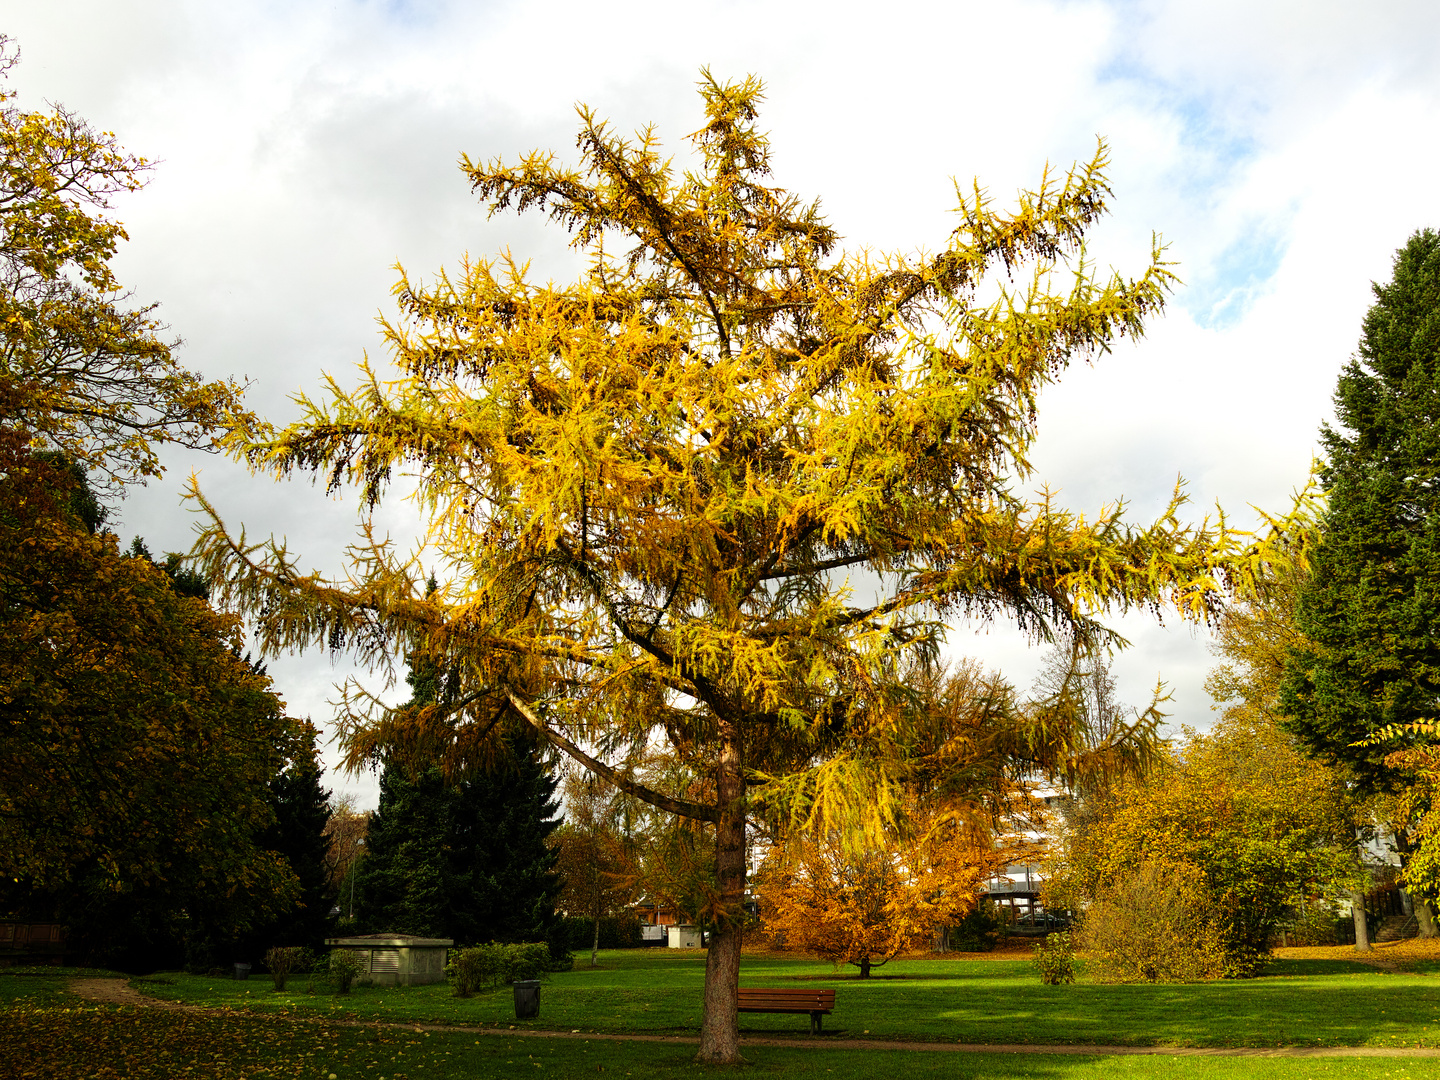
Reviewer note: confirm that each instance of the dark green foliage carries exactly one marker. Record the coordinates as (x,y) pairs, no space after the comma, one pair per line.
(183,580)
(135,745)
(499,858)
(302,807)
(400,882)
(77,497)
(467,860)
(493,964)
(981,930)
(1373,601)
(616,932)
(297,832)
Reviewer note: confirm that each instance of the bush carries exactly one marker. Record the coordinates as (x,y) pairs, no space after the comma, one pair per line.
(1055,959)
(981,930)
(284,961)
(1159,925)
(1319,925)
(343,967)
(495,963)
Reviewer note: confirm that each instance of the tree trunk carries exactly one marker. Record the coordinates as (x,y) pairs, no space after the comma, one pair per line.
(1421,908)
(1425,916)
(720,1029)
(864,967)
(595,944)
(1362,932)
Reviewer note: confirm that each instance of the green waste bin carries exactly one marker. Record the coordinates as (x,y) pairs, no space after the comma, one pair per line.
(527,999)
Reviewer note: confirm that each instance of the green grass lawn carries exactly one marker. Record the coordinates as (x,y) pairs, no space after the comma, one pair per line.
(50,1035)
(1299,1003)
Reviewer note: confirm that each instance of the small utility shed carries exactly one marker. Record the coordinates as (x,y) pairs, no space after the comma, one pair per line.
(397,959)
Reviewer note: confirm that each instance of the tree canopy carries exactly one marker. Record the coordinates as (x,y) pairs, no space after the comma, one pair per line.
(724,490)
(466,860)
(1372,600)
(820,895)
(1362,688)
(81,369)
(1241,811)
(136,744)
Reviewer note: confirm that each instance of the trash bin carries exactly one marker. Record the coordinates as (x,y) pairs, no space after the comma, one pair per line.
(527,999)
(242,971)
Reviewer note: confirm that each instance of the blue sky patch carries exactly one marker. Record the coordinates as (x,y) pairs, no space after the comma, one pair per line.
(1225,291)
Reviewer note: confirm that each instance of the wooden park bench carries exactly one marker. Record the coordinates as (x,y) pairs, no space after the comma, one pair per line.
(817,1003)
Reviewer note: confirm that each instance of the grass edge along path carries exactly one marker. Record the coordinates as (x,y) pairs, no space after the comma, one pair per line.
(118,991)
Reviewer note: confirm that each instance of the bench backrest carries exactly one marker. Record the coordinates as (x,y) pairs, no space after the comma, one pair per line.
(766,998)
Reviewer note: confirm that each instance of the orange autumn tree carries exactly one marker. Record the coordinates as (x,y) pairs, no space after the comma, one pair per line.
(865,907)
(864,900)
(646,491)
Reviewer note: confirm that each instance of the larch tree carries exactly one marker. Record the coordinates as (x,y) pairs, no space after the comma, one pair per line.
(1364,683)
(647,491)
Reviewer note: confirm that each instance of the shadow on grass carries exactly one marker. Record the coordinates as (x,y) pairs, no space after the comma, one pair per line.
(1289,969)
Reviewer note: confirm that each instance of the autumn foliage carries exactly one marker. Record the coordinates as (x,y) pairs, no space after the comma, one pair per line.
(864,907)
(137,742)
(650,487)
(1236,823)
(82,370)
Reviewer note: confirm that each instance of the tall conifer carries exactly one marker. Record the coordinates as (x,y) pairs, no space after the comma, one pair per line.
(468,859)
(1373,601)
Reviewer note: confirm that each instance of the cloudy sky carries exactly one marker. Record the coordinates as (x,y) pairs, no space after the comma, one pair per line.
(1282,149)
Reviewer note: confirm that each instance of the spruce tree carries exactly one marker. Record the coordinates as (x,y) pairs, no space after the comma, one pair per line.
(302,807)
(503,882)
(465,859)
(400,881)
(1373,600)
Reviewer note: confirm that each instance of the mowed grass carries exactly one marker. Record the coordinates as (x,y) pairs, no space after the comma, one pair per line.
(1299,1003)
(50,1035)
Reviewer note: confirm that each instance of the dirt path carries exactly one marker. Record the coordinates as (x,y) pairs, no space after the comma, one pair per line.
(120,992)
(117,992)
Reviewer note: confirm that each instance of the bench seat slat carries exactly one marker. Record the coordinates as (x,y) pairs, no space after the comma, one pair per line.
(775,1000)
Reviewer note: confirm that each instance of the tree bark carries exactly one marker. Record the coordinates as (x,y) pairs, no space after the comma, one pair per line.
(864,967)
(1425,916)
(720,1029)
(1362,932)
(595,944)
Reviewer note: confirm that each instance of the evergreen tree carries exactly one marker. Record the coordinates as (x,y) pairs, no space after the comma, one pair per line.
(1372,602)
(465,860)
(302,809)
(400,881)
(1370,606)
(502,881)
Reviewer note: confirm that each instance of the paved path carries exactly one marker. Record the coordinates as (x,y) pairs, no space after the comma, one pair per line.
(120,992)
